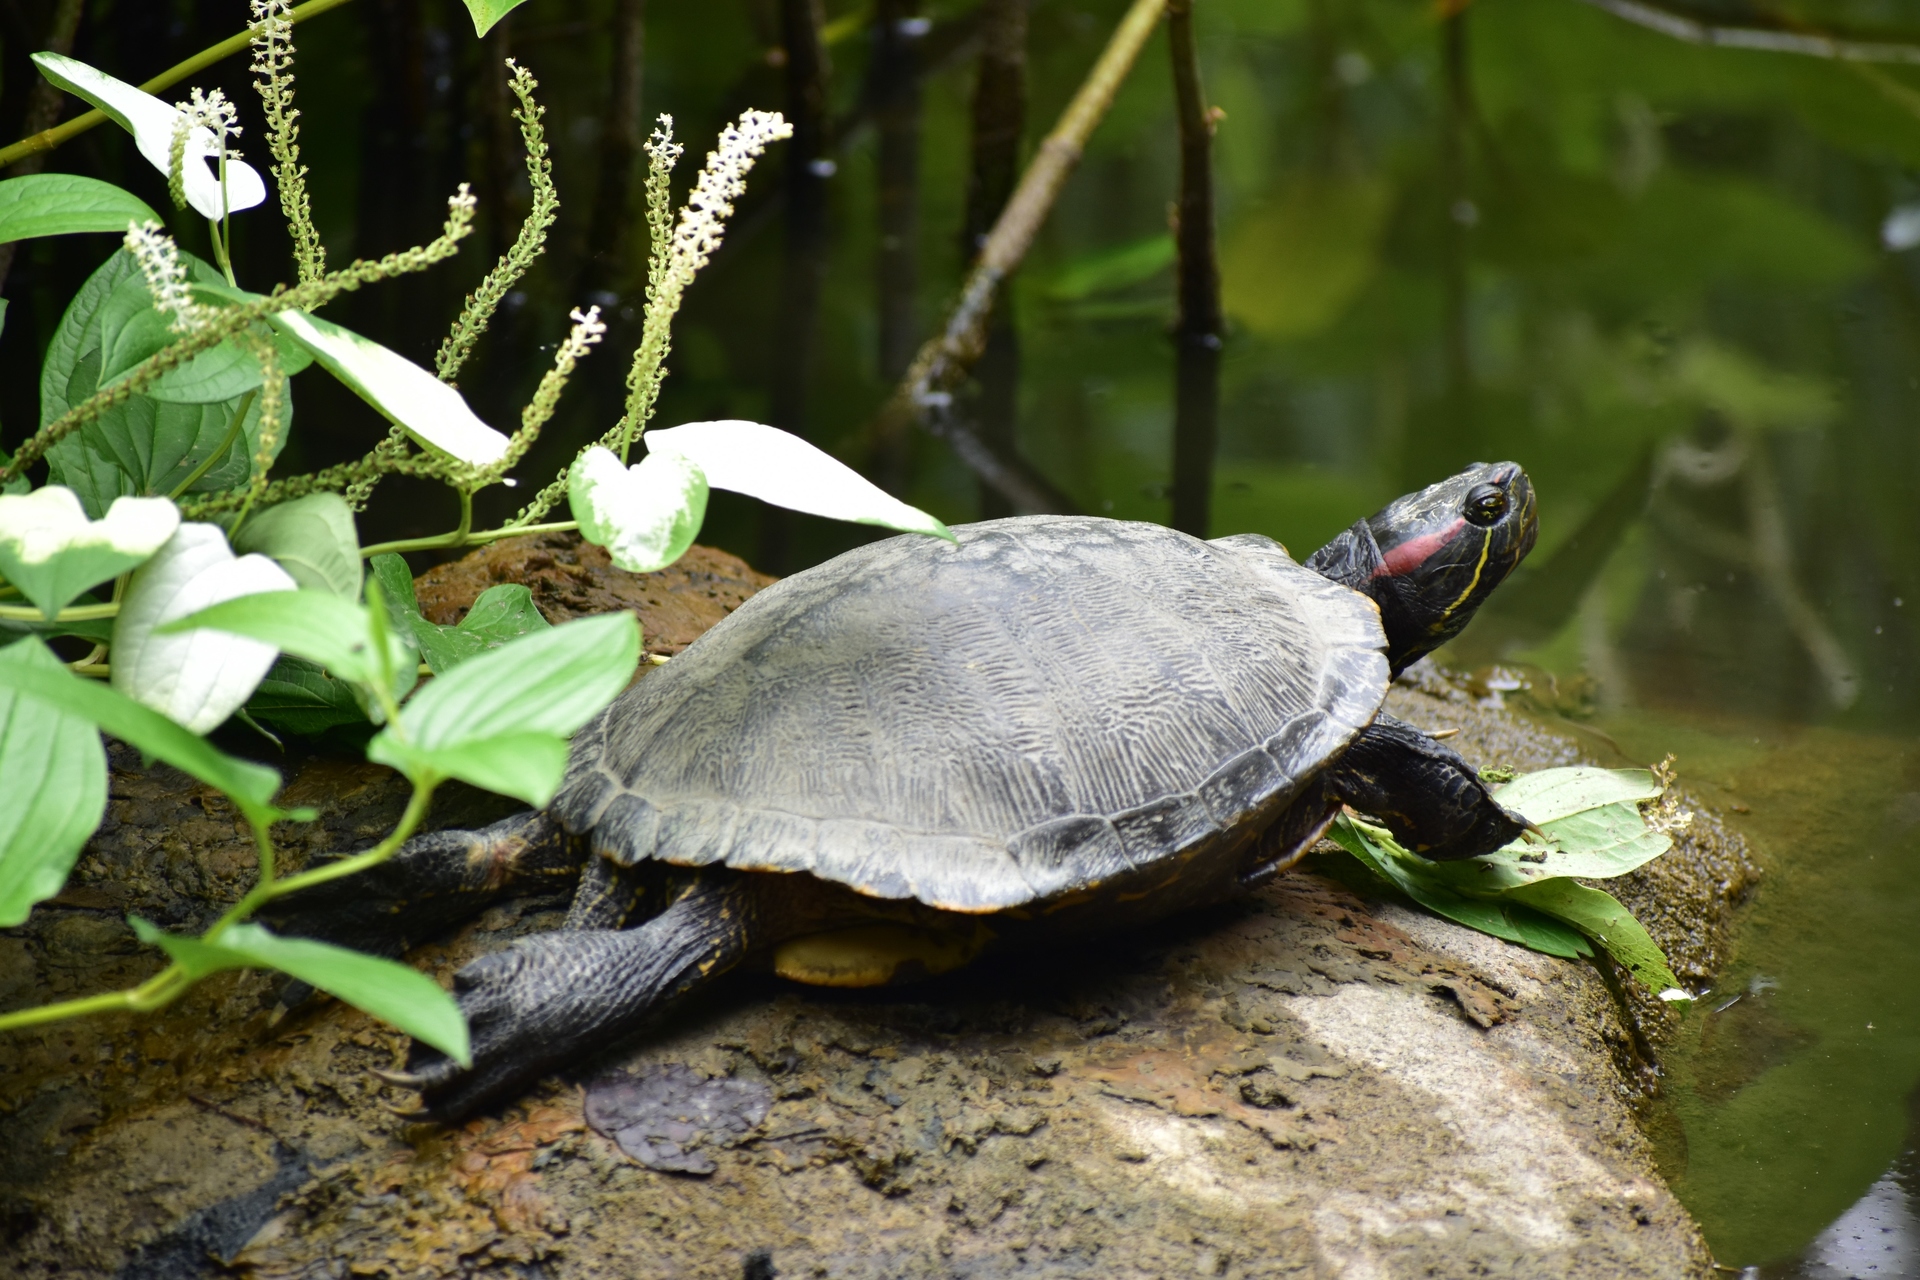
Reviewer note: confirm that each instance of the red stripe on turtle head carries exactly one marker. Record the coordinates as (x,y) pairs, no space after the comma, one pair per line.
(1414,552)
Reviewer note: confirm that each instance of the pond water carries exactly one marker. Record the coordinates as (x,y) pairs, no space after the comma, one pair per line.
(1679,283)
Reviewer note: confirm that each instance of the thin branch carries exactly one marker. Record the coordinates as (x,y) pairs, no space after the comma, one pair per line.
(926,390)
(1765,39)
(48,139)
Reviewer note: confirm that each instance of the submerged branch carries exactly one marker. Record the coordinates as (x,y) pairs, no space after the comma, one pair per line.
(944,360)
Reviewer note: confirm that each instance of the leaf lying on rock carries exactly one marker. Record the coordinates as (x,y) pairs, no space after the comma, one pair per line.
(1527,893)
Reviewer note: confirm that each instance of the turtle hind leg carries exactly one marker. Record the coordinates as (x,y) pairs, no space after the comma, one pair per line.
(552,999)
(432,882)
(1423,791)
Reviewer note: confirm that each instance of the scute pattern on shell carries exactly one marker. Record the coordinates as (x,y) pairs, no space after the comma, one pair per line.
(1051,702)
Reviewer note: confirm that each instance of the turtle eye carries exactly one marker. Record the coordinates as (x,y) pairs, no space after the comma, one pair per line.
(1486,504)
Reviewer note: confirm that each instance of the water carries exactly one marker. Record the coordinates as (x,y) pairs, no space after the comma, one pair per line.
(1681,284)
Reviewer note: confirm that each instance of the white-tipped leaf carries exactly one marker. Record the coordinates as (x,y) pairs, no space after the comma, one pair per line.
(197,678)
(151,122)
(430,410)
(774,466)
(646,516)
(52,552)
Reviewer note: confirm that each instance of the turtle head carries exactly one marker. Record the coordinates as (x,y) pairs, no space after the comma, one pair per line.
(1431,558)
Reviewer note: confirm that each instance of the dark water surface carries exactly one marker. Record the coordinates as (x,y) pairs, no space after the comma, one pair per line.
(1679,283)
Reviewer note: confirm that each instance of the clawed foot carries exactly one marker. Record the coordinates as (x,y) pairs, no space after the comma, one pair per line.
(522,1019)
(553,999)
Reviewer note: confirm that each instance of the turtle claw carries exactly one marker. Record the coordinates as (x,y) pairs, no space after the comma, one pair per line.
(399,1079)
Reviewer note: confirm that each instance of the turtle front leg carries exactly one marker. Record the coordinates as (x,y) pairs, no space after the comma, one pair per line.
(1423,791)
(432,882)
(554,998)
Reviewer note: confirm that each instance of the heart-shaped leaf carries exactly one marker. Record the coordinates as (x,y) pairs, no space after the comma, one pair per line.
(645,516)
(775,466)
(198,678)
(52,552)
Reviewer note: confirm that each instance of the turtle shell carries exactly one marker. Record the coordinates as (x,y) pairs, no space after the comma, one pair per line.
(1049,703)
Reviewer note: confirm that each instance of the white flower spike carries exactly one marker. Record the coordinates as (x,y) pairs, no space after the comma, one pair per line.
(152,123)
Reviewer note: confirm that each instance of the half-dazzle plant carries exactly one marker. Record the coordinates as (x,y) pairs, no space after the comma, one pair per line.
(194,579)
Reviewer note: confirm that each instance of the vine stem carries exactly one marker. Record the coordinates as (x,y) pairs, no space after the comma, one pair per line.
(161,989)
(460,538)
(84,613)
(48,139)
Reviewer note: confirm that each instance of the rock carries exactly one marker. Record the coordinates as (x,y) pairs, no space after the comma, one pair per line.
(1313,1080)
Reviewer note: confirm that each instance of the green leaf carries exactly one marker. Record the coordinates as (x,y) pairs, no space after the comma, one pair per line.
(407,998)
(312,538)
(1551,794)
(487,12)
(52,552)
(58,204)
(315,625)
(498,615)
(501,613)
(553,681)
(430,410)
(300,697)
(646,516)
(769,464)
(391,584)
(140,446)
(24,670)
(1376,849)
(198,678)
(79,333)
(56,780)
(132,329)
(1601,917)
(526,766)
(545,684)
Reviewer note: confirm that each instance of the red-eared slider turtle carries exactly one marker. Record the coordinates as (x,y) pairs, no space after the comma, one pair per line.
(882,765)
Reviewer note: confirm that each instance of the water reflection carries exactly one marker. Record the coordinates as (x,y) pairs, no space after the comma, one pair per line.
(1878,1238)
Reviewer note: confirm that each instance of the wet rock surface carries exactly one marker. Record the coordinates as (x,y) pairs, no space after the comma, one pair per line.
(1313,1081)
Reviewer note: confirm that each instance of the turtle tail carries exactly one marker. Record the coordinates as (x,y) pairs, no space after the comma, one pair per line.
(555,998)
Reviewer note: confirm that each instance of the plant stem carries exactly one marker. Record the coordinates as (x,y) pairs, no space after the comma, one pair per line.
(266,891)
(163,988)
(220,450)
(48,139)
(461,535)
(84,613)
(461,538)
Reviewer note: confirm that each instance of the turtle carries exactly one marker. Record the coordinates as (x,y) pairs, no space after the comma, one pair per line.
(883,766)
